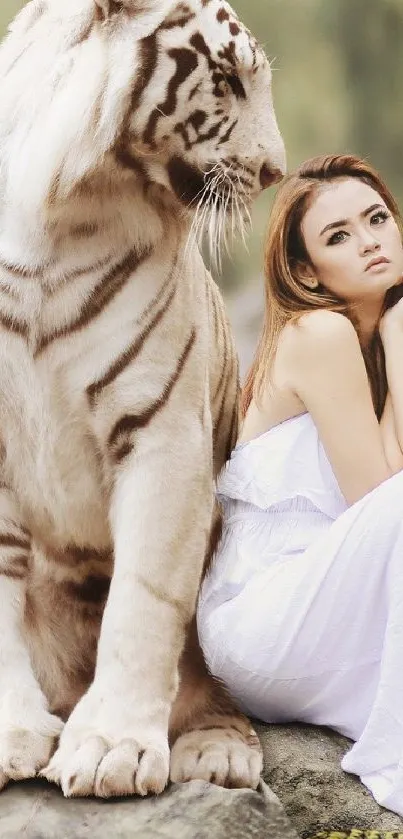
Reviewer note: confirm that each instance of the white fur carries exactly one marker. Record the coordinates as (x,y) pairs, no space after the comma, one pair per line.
(66,79)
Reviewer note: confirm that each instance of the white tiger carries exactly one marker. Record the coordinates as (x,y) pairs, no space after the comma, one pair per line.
(118,383)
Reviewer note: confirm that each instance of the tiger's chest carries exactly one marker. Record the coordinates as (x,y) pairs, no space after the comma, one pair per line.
(127,330)
(49,452)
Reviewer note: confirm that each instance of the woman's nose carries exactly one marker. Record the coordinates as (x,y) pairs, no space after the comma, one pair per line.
(369,243)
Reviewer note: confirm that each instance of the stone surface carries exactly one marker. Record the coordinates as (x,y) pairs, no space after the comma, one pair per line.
(36,810)
(302,766)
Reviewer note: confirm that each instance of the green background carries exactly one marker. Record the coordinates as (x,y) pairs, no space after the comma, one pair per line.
(338,80)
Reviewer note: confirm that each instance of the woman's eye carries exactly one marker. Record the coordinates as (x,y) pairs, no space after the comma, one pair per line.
(337,237)
(379,217)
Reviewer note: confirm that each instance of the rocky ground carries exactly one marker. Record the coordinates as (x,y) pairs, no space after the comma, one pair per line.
(197,810)
(302,767)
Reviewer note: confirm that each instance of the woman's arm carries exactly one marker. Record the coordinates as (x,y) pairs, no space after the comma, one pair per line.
(391,331)
(390,441)
(327,372)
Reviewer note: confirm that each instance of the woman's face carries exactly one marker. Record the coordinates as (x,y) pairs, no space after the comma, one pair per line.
(353,241)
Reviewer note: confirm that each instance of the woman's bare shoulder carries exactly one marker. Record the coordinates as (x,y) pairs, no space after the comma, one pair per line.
(320,330)
(326,371)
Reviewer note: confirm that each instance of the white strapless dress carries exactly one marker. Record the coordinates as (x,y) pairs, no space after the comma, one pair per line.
(302,612)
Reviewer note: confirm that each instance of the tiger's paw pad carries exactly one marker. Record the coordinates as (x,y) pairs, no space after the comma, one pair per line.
(96,768)
(219,756)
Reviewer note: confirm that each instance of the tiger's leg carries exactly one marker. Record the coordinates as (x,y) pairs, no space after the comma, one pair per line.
(116,739)
(211,740)
(27,730)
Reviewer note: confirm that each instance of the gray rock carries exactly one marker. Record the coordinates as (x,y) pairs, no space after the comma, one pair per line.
(302,765)
(36,810)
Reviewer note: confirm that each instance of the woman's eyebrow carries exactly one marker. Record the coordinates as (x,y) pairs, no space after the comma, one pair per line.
(345,221)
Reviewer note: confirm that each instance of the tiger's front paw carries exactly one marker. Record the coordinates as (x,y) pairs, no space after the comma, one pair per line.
(27,739)
(106,751)
(218,755)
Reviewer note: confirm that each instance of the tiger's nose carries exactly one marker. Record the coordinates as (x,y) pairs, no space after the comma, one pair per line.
(269,176)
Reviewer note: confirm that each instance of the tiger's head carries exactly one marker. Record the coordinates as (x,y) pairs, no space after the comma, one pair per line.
(176,93)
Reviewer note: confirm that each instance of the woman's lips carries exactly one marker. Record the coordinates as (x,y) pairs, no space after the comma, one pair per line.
(378,260)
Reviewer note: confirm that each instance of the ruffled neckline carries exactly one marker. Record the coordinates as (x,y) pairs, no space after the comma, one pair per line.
(274,428)
(285,462)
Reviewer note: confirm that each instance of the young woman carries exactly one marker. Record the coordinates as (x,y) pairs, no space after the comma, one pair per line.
(302,613)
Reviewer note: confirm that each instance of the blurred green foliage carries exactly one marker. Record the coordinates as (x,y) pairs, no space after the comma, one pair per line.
(338,75)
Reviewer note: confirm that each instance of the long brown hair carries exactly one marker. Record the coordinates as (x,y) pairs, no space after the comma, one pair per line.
(286,261)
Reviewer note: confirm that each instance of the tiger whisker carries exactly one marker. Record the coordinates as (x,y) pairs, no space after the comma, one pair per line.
(220,210)
(194,233)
